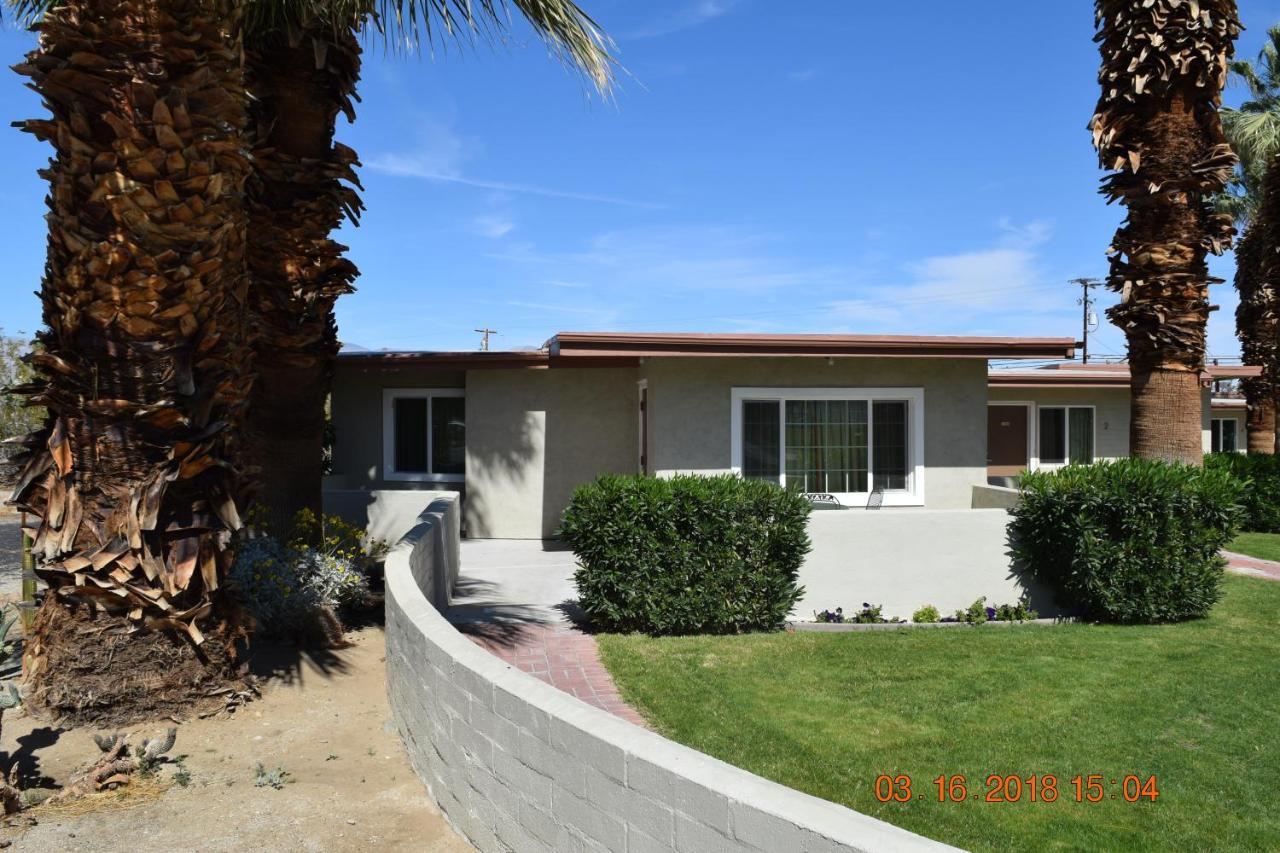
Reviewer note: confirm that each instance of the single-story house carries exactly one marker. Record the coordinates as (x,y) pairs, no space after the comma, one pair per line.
(1049,416)
(903,419)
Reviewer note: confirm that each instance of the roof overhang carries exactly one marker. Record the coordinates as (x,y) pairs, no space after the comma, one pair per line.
(532,359)
(1100,376)
(578,345)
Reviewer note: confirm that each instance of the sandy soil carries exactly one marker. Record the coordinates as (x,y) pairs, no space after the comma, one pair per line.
(325,721)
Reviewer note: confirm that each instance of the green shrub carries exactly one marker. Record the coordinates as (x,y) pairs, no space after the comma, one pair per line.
(1127,541)
(687,555)
(928,613)
(1259,473)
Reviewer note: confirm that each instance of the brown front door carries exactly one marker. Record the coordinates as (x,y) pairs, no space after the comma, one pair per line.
(1006,440)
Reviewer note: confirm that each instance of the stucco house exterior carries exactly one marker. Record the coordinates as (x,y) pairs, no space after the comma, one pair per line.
(1050,416)
(905,418)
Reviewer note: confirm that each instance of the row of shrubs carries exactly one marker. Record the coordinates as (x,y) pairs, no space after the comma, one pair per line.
(1129,541)
(1259,477)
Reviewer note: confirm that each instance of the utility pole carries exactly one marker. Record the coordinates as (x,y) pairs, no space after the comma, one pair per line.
(1086,302)
(484,342)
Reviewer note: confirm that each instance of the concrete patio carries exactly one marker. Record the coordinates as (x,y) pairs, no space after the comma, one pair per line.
(902,559)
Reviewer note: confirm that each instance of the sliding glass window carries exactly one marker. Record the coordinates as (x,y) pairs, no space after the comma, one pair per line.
(1066,435)
(827,446)
(424,434)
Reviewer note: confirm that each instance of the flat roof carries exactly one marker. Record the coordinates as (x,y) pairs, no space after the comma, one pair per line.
(614,349)
(1099,375)
(696,344)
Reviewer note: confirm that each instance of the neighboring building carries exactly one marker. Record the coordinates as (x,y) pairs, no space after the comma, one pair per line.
(1062,413)
(516,432)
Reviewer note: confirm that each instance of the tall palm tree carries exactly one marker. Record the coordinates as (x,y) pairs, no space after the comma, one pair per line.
(140,364)
(1253,131)
(1156,126)
(304,64)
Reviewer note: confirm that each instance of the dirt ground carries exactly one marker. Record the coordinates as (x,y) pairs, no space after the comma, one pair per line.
(323,720)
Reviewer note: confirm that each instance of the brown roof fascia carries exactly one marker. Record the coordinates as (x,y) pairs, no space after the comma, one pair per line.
(532,360)
(576,345)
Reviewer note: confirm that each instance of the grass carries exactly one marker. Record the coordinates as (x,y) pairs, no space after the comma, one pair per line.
(1196,704)
(1264,546)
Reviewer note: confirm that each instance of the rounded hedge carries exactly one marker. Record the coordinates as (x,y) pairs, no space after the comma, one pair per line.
(1132,541)
(687,555)
(1259,476)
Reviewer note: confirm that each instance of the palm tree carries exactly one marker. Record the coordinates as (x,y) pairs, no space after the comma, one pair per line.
(140,364)
(1156,126)
(1253,131)
(304,64)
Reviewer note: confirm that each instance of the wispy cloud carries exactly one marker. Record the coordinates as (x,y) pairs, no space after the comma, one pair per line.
(677,259)
(974,290)
(414,166)
(492,226)
(687,16)
(803,75)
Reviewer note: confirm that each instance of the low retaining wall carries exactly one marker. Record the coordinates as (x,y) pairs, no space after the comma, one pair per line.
(995,497)
(517,765)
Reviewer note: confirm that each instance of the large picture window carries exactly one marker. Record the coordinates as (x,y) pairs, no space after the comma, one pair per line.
(424,434)
(1226,437)
(1066,435)
(848,441)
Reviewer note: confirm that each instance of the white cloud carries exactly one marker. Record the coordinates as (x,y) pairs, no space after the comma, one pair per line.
(689,15)
(697,258)
(998,287)
(424,168)
(492,226)
(802,75)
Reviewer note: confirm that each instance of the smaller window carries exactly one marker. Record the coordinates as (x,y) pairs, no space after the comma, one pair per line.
(424,434)
(1066,435)
(1225,435)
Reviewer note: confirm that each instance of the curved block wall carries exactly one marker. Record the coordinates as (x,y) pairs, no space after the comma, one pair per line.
(517,765)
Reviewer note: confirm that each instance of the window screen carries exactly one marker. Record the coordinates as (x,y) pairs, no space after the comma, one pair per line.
(827,445)
(761,434)
(448,435)
(1053,435)
(411,435)
(889,436)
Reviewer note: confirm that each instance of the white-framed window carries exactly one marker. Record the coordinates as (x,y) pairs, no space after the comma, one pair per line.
(1226,435)
(845,442)
(424,434)
(1065,434)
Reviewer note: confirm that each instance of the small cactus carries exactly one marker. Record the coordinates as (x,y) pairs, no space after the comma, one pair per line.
(10,698)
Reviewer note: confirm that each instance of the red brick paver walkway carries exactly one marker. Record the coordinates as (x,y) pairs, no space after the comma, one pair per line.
(1242,565)
(565,658)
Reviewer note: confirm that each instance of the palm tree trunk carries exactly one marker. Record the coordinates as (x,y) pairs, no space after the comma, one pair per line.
(1256,328)
(301,192)
(1156,126)
(144,362)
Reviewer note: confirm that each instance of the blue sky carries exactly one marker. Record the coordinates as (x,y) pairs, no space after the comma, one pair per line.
(912,167)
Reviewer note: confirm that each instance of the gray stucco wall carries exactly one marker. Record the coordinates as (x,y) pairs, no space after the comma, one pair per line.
(690,410)
(356,409)
(533,436)
(1111,415)
(1111,418)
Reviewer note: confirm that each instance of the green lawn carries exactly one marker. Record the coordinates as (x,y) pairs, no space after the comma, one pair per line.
(1264,546)
(1196,704)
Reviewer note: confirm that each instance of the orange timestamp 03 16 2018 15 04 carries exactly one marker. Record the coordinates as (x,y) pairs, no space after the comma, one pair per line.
(1012,788)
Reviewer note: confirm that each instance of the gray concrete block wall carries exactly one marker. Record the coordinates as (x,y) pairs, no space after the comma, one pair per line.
(517,765)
